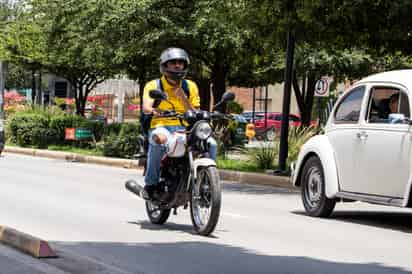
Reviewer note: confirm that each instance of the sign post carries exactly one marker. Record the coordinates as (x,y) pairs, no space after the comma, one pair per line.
(322,87)
(77,134)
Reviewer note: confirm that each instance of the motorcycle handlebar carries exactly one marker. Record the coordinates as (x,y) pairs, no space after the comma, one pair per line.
(168,113)
(213,115)
(219,115)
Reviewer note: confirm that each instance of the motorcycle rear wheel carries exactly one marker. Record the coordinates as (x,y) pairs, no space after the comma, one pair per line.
(206,201)
(156,215)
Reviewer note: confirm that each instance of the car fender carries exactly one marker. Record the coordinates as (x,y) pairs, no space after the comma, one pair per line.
(320,146)
(201,162)
(407,198)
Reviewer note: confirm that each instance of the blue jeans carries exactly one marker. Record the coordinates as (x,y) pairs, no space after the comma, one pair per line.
(157,151)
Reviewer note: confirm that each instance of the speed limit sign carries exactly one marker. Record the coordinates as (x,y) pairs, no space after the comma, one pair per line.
(322,87)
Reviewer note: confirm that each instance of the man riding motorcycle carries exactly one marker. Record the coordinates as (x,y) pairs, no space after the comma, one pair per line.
(183,95)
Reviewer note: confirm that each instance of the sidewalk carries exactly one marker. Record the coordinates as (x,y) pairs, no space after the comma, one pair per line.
(228,175)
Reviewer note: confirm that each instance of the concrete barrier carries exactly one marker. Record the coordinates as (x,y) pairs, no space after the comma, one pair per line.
(36,247)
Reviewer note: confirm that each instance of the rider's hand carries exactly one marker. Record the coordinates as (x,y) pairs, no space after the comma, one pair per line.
(155,113)
(180,93)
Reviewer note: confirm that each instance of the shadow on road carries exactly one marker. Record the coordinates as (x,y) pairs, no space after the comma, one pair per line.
(255,189)
(169,226)
(400,221)
(205,258)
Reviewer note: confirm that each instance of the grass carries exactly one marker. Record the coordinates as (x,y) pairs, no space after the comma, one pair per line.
(239,165)
(228,164)
(83,151)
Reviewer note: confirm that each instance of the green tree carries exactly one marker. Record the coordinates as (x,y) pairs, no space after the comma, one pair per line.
(64,38)
(211,31)
(337,38)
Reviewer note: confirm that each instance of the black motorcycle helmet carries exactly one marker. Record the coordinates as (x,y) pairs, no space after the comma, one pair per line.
(170,54)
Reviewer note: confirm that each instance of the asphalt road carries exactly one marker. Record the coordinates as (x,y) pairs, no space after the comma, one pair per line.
(96,226)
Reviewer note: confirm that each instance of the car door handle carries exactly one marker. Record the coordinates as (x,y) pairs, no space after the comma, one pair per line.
(362,135)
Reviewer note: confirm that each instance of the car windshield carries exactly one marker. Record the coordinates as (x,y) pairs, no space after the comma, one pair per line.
(240,118)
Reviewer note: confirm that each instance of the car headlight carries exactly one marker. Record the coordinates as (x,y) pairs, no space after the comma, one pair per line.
(203,131)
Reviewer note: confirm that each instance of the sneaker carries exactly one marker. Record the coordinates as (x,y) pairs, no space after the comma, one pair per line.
(148,192)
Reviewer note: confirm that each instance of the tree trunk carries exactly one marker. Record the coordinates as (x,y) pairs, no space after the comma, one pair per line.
(310,92)
(219,82)
(80,99)
(142,83)
(204,93)
(33,86)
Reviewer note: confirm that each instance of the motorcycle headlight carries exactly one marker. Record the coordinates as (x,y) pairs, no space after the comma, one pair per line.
(203,131)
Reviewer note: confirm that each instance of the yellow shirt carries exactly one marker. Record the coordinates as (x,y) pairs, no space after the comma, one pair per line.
(179,106)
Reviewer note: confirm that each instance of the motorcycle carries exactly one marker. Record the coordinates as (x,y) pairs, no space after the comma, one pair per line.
(187,175)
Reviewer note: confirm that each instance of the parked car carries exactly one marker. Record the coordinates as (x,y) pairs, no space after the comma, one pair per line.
(2,137)
(248,115)
(238,136)
(273,124)
(365,152)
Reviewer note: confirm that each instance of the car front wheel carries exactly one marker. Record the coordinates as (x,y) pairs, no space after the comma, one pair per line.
(313,189)
(270,134)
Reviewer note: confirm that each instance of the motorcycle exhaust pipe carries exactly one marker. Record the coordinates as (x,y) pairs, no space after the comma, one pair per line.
(135,188)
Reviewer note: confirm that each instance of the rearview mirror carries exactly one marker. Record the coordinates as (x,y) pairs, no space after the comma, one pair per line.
(157,94)
(226,97)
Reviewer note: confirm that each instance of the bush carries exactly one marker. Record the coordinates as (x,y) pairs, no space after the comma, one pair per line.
(265,155)
(297,137)
(234,107)
(125,144)
(130,129)
(112,129)
(39,127)
(58,125)
(30,129)
(97,127)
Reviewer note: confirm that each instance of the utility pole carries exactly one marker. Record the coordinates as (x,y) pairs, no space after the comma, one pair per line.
(120,101)
(254,105)
(284,130)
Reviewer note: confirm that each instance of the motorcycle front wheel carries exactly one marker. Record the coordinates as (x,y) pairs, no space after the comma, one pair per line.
(206,200)
(156,215)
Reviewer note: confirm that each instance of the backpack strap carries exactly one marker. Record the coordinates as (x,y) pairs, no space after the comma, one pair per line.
(185,86)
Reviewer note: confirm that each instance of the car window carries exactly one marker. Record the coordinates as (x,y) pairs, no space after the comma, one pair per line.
(349,108)
(294,118)
(240,119)
(384,101)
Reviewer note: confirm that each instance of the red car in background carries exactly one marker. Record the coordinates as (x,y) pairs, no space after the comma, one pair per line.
(273,124)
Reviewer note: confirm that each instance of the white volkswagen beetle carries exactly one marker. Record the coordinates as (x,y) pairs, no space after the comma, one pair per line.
(365,153)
